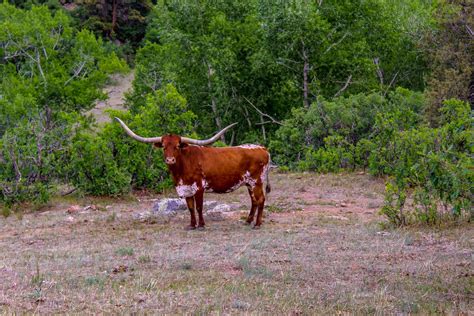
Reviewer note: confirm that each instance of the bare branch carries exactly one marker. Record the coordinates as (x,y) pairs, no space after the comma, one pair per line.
(470,31)
(379,71)
(263,114)
(391,82)
(348,82)
(336,43)
(76,72)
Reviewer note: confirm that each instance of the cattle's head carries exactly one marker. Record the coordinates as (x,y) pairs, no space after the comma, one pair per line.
(172,144)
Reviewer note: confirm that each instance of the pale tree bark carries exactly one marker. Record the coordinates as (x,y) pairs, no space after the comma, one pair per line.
(217,118)
(114,15)
(305,76)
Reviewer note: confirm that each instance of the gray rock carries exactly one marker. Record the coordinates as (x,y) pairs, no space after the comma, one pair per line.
(221,208)
(209,205)
(164,210)
(169,207)
(142,216)
(215,215)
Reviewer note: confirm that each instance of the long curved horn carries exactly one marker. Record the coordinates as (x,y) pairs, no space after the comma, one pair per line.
(135,136)
(206,141)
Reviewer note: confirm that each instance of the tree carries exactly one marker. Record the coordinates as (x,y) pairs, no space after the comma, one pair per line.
(49,73)
(451,50)
(115,19)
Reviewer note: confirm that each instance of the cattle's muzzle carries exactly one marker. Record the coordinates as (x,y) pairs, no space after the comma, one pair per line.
(170,160)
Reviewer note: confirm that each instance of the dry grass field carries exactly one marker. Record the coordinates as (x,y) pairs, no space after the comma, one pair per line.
(321,250)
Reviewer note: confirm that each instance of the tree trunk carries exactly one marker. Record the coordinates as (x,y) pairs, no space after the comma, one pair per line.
(470,96)
(213,100)
(263,129)
(305,77)
(114,15)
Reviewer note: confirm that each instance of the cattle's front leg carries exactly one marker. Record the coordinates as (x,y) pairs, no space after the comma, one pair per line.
(199,197)
(190,203)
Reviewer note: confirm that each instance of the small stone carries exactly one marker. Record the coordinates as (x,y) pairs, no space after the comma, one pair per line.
(343,204)
(169,207)
(73,209)
(222,208)
(215,216)
(342,218)
(90,207)
(209,205)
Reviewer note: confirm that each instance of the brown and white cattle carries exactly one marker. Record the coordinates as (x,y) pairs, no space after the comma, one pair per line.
(196,169)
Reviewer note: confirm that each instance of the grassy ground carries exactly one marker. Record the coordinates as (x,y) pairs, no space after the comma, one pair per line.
(321,250)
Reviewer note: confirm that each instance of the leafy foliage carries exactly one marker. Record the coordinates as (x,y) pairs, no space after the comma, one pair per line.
(429,168)
(49,73)
(450,47)
(229,58)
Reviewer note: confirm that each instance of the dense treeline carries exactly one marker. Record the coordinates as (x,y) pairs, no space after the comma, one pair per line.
(328,86)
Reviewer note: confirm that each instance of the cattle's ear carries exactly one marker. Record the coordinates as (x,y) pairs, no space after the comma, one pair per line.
(182,145)
(158,145)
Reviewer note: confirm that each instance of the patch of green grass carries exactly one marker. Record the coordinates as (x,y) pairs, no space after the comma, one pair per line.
(273,208)
(111,218)
(95,281)
(37,279)
(144,259)
(251,270)
(5,211)
(125,251)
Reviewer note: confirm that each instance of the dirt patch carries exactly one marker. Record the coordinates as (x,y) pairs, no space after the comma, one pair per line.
(120,84)
(320,251)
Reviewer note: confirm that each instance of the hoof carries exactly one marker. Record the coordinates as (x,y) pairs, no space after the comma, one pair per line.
(190,227)
(247,223)
(257,227)
(201,228)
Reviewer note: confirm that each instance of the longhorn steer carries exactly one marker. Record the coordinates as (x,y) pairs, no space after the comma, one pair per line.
(197,169)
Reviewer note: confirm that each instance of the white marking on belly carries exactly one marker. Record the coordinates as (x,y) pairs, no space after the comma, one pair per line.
(246,179)
(185,190)
(235,186)
(206,187)
(249,180)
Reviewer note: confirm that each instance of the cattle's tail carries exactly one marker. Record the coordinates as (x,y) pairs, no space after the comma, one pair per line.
(268,187)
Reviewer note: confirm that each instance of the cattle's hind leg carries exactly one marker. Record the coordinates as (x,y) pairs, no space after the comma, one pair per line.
(199,203)
(253,207)
(260,198)
(190,203)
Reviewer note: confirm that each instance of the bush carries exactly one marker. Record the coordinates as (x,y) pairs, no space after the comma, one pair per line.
(433,167)
(31,158)
(346,121)
(430,169)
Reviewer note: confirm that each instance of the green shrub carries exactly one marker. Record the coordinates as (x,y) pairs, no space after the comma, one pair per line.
(31,159)
(348,119)
(433,167)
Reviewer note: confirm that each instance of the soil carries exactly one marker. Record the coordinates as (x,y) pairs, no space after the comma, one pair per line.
(323,248)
